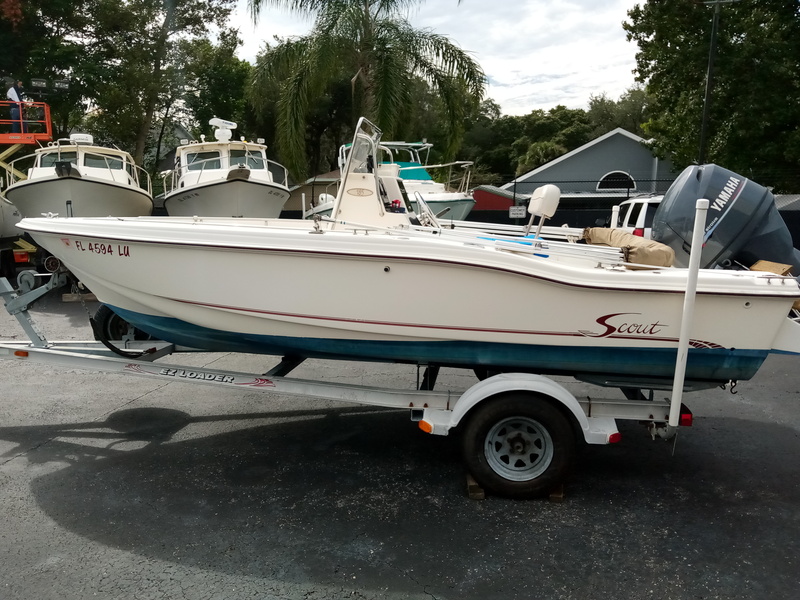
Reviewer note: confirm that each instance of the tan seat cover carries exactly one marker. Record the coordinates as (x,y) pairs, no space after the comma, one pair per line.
(635,249)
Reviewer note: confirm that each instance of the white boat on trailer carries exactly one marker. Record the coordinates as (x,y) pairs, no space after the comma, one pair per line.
(74,177)
(520,430)
(225,178)
(350,289)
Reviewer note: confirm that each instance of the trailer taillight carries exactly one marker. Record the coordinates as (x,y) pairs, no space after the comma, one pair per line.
(21,256)
(638,231)
(685,419)
(615,438)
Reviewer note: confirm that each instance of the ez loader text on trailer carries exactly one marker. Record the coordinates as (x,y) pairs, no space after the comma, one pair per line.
(520,431)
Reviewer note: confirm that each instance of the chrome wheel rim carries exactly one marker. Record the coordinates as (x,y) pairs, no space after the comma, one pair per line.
(519,448)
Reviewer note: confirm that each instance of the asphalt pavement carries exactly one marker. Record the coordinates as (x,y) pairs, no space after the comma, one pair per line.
(117,487)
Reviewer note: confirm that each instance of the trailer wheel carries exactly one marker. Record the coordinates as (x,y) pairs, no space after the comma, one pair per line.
(110,326)
(519,446)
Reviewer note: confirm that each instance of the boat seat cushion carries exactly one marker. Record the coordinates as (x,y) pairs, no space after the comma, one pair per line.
(635,249)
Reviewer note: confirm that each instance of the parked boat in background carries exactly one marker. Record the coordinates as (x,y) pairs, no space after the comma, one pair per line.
(408,161)
(450,200)
(74,177)
(9,217)
(225,178)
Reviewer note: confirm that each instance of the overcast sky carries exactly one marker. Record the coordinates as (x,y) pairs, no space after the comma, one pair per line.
(535,53)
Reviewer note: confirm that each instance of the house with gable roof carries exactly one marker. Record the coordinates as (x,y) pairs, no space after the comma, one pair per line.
(592,179)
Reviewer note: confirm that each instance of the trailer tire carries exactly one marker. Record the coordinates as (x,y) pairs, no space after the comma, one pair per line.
(111,326)
(519,445)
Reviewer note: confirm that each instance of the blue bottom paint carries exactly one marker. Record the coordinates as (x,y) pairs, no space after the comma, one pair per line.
(710,365)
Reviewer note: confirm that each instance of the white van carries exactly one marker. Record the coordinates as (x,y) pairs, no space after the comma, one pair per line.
(636,215)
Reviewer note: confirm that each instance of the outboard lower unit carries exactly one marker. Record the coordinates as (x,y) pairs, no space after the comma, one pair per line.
(743,225)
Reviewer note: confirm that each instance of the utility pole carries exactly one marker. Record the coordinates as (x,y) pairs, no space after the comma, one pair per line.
(710,77)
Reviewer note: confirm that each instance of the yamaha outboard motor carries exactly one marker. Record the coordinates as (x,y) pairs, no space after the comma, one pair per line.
(743,225)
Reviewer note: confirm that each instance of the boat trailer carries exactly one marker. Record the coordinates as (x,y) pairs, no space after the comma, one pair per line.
(521,431)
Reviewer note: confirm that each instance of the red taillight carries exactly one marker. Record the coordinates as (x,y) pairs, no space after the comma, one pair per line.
(21,256)
(638,231)
(615,438)
(685,418)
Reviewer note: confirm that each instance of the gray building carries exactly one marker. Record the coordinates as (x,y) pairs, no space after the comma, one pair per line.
(617,164)
(592,179)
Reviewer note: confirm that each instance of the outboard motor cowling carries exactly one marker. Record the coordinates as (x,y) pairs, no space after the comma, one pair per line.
(743,225)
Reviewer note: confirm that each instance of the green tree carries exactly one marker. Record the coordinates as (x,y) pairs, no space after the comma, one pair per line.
(131,65)
(630,112)
(488,141)
(504,146)
(537,154)
(755,101)
(371,44)
(41,39)
(215,81)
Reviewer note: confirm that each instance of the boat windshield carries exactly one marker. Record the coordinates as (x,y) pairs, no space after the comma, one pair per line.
(197,161)
(50,159)
(251,158)
(103,162)
(361,157)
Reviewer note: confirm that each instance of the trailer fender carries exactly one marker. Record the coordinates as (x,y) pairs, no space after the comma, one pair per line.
(595,430)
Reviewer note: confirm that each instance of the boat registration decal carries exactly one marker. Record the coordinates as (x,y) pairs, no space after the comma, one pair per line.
(359,192)
(100,248)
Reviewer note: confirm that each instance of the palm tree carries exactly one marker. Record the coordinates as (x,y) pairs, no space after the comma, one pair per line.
(371,43)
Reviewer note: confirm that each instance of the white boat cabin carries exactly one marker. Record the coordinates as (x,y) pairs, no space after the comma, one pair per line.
(79,157)
(203,162)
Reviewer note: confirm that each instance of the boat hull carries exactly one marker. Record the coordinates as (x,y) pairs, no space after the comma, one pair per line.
(9,217)
(448,206)
(621,363)
(370,296)
(89,197)
(228,198)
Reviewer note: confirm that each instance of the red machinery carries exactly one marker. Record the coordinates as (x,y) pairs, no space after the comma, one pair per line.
(33,126)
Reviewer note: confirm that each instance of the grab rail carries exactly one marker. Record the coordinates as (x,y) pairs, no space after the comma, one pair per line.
(277,171)
(136,174)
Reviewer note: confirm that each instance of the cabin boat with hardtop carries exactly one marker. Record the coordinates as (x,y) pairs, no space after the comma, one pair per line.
(225,178)
(74,177)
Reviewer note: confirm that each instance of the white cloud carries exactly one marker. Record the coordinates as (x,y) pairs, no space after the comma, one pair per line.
(535,53)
